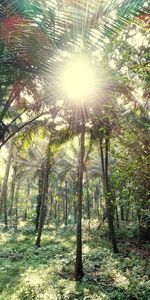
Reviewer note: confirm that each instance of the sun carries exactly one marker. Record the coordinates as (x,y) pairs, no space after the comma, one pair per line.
(78,80)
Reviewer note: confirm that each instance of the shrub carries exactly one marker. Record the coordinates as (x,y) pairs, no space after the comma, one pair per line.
(28,292)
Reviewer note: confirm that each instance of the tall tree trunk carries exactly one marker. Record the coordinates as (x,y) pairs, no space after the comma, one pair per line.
(74,203)
(79,265)
(96,200)
(75,213)
(58,214)
(39,197)
(106,187)
(3,202)
(55,211)
(88,200)
(117,216)
(66,203)
(127,213)
(50,209)
(44,197)
(16,203)
(26,202)
(122,212)
(12,189)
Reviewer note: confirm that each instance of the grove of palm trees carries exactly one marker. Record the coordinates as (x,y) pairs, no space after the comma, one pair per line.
(74,150)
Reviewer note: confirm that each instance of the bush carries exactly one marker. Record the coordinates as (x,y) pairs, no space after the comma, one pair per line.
(127,232)
(28,292)
(28,230)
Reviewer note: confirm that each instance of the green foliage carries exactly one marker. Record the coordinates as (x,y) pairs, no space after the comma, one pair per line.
(48,272)
(139,290)
(28,229)
(27,292)
(126,231)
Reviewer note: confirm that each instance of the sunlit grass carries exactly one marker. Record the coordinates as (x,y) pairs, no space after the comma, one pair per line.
(4,238)
(47,272)
(119,279)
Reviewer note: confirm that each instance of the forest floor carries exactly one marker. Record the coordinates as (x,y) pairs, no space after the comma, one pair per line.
(47,273)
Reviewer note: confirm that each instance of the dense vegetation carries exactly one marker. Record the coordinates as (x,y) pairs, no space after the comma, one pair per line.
(74,142)
(48,272)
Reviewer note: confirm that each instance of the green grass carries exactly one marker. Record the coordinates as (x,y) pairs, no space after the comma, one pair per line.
(47,273)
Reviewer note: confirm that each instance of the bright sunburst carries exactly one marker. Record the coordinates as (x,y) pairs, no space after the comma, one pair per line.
(78,80)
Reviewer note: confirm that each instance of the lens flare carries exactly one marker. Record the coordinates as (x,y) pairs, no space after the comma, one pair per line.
(78,80)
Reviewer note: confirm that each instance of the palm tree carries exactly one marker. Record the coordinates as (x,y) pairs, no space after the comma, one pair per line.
(5,181)
(44,194)
(67,28)
(79,265)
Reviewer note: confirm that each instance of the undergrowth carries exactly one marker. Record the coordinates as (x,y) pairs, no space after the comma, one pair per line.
(47,273)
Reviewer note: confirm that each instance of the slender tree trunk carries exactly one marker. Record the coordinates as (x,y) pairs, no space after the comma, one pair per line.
(88,200)
(42,212)
(122,212)
(117,216)
(96,199)
(26,202)
(66,203)
(75,213)
(39,198)
(58,214)
(44,197)
(12,189)
(3,202)
(127,213)
(50,209)
(132,212)
(52,201)
(16,203)
(74,203)
(55,211)
(106,188)
(108,199)
(79,265)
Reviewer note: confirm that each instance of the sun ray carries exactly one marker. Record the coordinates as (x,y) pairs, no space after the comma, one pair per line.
(78,80)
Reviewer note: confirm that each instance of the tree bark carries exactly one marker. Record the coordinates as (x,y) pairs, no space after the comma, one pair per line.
(108,199)
(3,203)
(75,203)
(39,198)
(79,265)
(55,210)
(96,200)
(50,209)
(88,200)
(66,203)
(75,213)
(122,212)
(106,187)
(26,202)
(12,189)
(117,216)
(16,203)
(44,197)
